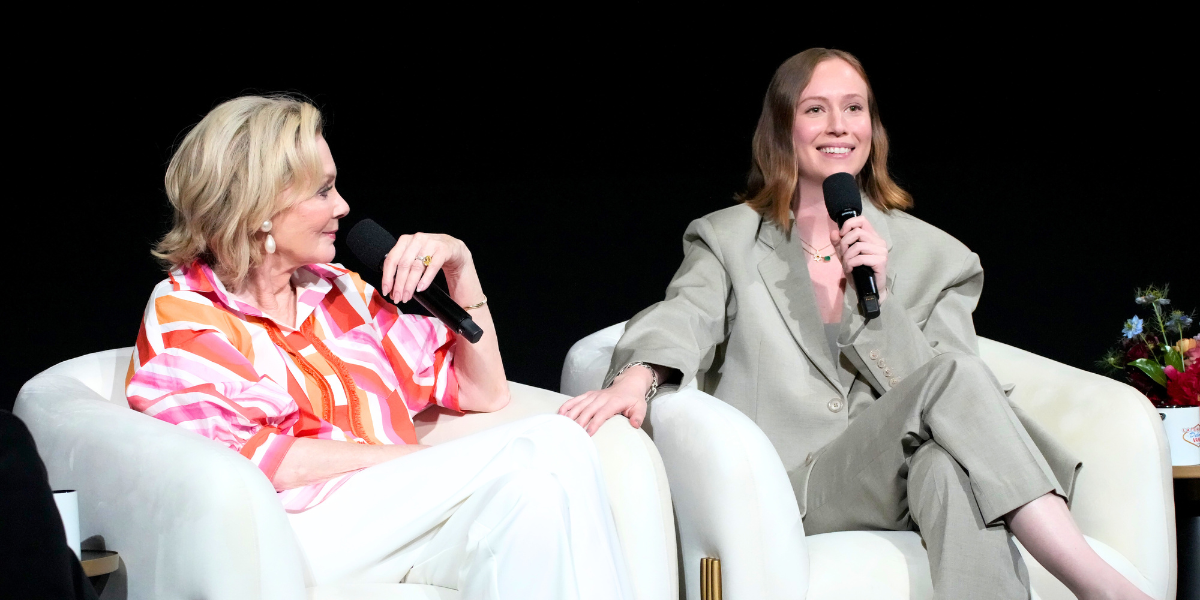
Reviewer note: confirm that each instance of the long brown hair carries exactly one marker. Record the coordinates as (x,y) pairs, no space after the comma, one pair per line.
(771,185)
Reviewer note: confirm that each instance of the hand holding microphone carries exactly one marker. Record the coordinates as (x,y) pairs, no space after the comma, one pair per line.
(862,251)
(409,266)
(415,259)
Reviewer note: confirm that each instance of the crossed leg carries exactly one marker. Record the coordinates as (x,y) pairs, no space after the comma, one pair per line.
(945,453)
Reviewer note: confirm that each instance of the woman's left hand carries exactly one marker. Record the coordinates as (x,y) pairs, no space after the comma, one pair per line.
(858,244)
(404,270)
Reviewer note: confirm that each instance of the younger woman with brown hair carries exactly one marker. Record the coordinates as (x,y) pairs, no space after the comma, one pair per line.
(891,423)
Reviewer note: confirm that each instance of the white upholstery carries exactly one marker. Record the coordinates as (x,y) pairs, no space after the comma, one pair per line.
(193,519)
(733,500)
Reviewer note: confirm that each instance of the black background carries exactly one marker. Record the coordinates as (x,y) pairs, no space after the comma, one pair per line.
(572,168)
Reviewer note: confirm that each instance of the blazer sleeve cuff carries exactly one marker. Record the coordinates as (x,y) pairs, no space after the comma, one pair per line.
(672,358)
(886,349)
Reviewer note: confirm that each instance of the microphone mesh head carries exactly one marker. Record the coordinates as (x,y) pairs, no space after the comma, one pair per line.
(370,243)
(841,194)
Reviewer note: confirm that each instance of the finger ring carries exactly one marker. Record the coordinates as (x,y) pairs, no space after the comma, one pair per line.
(425,260)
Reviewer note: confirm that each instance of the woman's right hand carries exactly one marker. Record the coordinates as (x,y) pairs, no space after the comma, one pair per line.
(626,396)
(405,273)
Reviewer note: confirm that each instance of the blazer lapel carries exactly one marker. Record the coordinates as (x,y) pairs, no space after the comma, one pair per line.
(785,274)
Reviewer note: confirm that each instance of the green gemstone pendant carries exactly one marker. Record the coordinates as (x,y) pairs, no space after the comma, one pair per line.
(821,258)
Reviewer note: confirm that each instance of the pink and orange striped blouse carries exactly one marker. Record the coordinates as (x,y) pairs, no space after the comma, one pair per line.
(356,369)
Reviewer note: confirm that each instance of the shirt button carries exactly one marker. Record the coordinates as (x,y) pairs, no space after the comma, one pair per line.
(808,460)
(835,405)
(893,381)
(887,372)
(881,363)
(874,354)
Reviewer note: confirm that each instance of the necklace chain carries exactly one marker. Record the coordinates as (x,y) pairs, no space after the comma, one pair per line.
(815,253)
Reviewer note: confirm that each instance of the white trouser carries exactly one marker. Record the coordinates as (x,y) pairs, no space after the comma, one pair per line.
(518,511)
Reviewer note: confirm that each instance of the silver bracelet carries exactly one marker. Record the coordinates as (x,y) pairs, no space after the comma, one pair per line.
(653,377)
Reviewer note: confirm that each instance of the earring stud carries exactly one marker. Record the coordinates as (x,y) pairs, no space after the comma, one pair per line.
(270,243)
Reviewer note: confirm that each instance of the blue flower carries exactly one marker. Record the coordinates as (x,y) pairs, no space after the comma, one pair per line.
(1163,301)
(1133,328)
(1179,320)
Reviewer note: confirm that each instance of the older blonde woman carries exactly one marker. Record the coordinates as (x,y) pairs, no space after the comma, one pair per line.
(257,341)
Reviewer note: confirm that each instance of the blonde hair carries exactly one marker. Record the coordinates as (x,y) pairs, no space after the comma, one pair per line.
(772,182)
(245,161)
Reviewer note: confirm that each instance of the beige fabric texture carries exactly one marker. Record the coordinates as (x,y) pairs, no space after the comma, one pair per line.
(904,464)
(740,316)
(955,400)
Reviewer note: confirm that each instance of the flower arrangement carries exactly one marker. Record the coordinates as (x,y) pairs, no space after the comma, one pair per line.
(1167,372)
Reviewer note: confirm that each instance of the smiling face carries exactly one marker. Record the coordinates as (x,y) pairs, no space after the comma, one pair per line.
(831,132)
(304,232)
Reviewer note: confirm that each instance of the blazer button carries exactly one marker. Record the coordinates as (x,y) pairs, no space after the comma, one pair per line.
(835,405)
(893,381)
(874,354)
(881,363)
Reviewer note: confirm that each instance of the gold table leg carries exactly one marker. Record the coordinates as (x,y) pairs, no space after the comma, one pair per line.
(710,579)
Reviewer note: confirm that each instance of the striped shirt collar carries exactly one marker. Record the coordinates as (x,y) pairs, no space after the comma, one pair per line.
(312,283)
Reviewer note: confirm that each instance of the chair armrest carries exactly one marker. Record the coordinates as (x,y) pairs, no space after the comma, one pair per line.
(436,425)
(104,372)
(633,473)
(189,517)
(1123,496)
(587,361)
(732,496)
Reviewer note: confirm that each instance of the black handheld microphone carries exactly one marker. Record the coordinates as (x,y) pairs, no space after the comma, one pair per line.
(371,243)
(843,201)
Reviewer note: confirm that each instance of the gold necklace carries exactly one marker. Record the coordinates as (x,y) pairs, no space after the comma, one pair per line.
(816,254)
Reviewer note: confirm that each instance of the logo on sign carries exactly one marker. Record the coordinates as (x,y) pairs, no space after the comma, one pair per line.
(1191,435)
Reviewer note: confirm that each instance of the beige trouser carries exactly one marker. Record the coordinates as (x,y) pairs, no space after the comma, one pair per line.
(945,453)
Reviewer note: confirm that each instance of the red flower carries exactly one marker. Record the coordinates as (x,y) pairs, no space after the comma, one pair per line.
(1184,388)
(1148,387)
(1136,350)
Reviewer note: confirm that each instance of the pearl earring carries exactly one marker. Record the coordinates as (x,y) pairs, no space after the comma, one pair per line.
(270,245)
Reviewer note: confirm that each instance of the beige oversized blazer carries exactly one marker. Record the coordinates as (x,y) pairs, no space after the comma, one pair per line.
(741,313)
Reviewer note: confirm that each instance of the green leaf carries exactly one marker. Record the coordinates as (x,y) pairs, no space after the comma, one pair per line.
(1151,368)
(1174,358)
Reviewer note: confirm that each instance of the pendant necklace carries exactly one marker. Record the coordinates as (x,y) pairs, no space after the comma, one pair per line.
(816,254)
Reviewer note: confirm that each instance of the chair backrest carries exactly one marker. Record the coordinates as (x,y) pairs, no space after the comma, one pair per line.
(103,372)
(1123,495)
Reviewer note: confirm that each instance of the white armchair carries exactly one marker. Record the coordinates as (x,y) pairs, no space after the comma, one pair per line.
(733,500)
(193,519)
